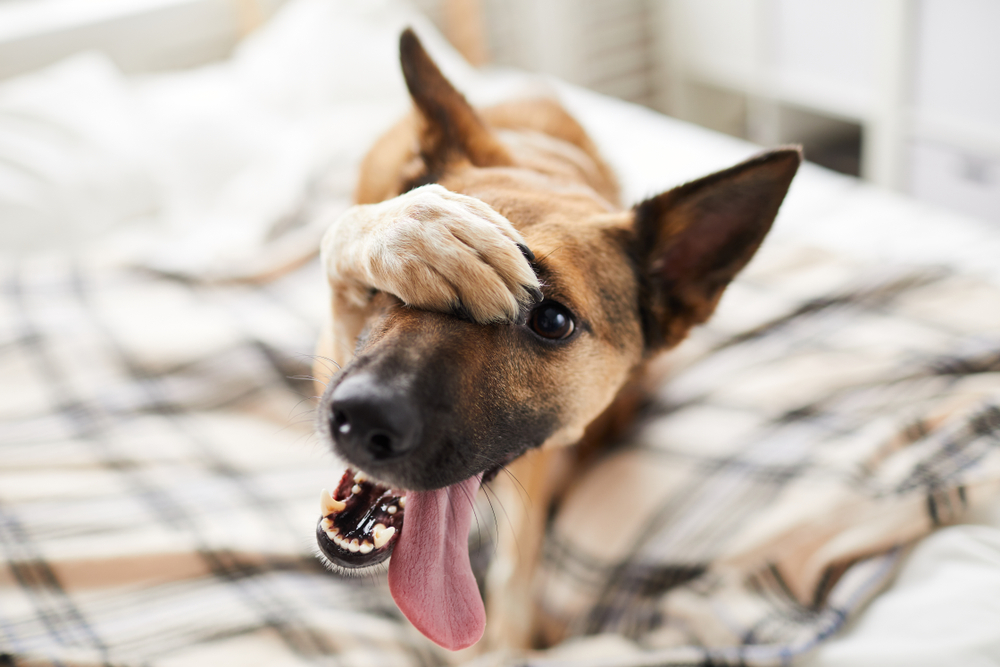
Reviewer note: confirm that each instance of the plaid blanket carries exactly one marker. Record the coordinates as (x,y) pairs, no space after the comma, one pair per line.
(158,476)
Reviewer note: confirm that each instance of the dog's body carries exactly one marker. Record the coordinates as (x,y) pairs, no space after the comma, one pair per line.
(497,318)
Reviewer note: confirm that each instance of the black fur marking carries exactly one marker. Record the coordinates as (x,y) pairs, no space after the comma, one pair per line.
(468,422)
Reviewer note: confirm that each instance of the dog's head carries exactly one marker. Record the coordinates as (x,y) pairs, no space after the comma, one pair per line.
(433,401)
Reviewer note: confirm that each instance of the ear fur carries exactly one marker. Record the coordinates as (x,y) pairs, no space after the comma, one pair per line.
(449,127)
(692,241)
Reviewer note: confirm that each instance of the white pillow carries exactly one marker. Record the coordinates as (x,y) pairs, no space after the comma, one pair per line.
(214,157)
(72,159)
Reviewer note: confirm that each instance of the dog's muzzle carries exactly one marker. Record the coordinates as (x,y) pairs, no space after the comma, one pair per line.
(373,426)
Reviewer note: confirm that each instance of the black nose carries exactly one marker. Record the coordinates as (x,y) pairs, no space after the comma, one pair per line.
(370,417)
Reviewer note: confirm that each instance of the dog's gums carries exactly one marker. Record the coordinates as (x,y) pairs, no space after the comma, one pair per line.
(360,522)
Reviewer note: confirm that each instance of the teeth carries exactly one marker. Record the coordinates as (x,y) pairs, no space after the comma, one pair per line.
(391,509)
(326,523)
(361,477)
(328,504)
(402,502)
(355,489)
(382,534)
(336,538)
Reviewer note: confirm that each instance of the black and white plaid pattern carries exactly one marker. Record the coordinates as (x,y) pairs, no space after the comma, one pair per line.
(160,481)
(828,418)
(158,476)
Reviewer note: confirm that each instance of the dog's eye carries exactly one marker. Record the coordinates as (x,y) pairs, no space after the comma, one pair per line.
(552,320)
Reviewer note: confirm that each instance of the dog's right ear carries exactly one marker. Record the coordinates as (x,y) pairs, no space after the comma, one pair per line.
(450,129)
(690,242)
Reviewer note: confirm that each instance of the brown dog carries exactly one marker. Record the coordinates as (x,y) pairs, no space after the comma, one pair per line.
(463,352)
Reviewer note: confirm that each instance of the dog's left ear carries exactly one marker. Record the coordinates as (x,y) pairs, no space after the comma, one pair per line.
(450,129)
(692,241)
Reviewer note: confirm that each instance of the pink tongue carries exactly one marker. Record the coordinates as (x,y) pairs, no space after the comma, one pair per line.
(429,575)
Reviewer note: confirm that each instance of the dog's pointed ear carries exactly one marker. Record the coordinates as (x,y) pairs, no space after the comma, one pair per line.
(692,241)
(450,128)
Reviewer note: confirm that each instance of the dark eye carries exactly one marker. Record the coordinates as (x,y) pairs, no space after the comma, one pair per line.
(552,320)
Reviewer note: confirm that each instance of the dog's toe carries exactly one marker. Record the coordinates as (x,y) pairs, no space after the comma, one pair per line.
(436,250)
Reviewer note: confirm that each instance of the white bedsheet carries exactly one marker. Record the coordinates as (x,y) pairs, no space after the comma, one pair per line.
(193,171)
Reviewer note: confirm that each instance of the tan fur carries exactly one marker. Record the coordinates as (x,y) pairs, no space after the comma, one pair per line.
(433,249)
(562,186)
(526,173)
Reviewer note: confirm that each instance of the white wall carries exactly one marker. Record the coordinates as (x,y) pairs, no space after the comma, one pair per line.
(922,77)
(139,35)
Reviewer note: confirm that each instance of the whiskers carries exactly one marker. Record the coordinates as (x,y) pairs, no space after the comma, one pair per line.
(494,500)
(331,366)
(300,414)
(304,411)
(371,573)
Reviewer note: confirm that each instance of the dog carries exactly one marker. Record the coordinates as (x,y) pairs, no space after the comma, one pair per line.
(492,308)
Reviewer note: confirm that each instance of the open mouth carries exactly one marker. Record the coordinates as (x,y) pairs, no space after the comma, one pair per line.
(361,521)
(430,576)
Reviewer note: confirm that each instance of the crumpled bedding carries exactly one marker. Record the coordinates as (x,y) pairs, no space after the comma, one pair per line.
(158,472)
(803,441)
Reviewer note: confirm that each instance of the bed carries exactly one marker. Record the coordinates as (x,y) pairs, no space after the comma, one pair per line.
(814,482)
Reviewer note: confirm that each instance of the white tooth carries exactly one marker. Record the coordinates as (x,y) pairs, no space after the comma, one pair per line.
(392,509)
(382,534)
(326,524)
(354,547)
(366,547)
(333,536)
(402,502)
(328,504)
(361,477)
(355,489)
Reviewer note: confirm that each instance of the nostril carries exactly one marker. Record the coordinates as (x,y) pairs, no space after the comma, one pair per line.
(341,422)
(381,445)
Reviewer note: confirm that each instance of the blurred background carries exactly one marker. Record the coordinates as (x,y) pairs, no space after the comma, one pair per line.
(903,93)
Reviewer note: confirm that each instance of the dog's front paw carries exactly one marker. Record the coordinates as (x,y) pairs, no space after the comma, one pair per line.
(433,249)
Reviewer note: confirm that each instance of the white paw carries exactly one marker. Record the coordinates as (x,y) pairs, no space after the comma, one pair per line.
(433,249)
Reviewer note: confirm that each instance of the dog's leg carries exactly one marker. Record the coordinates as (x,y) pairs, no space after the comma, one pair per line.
(433,249)
(525,494)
